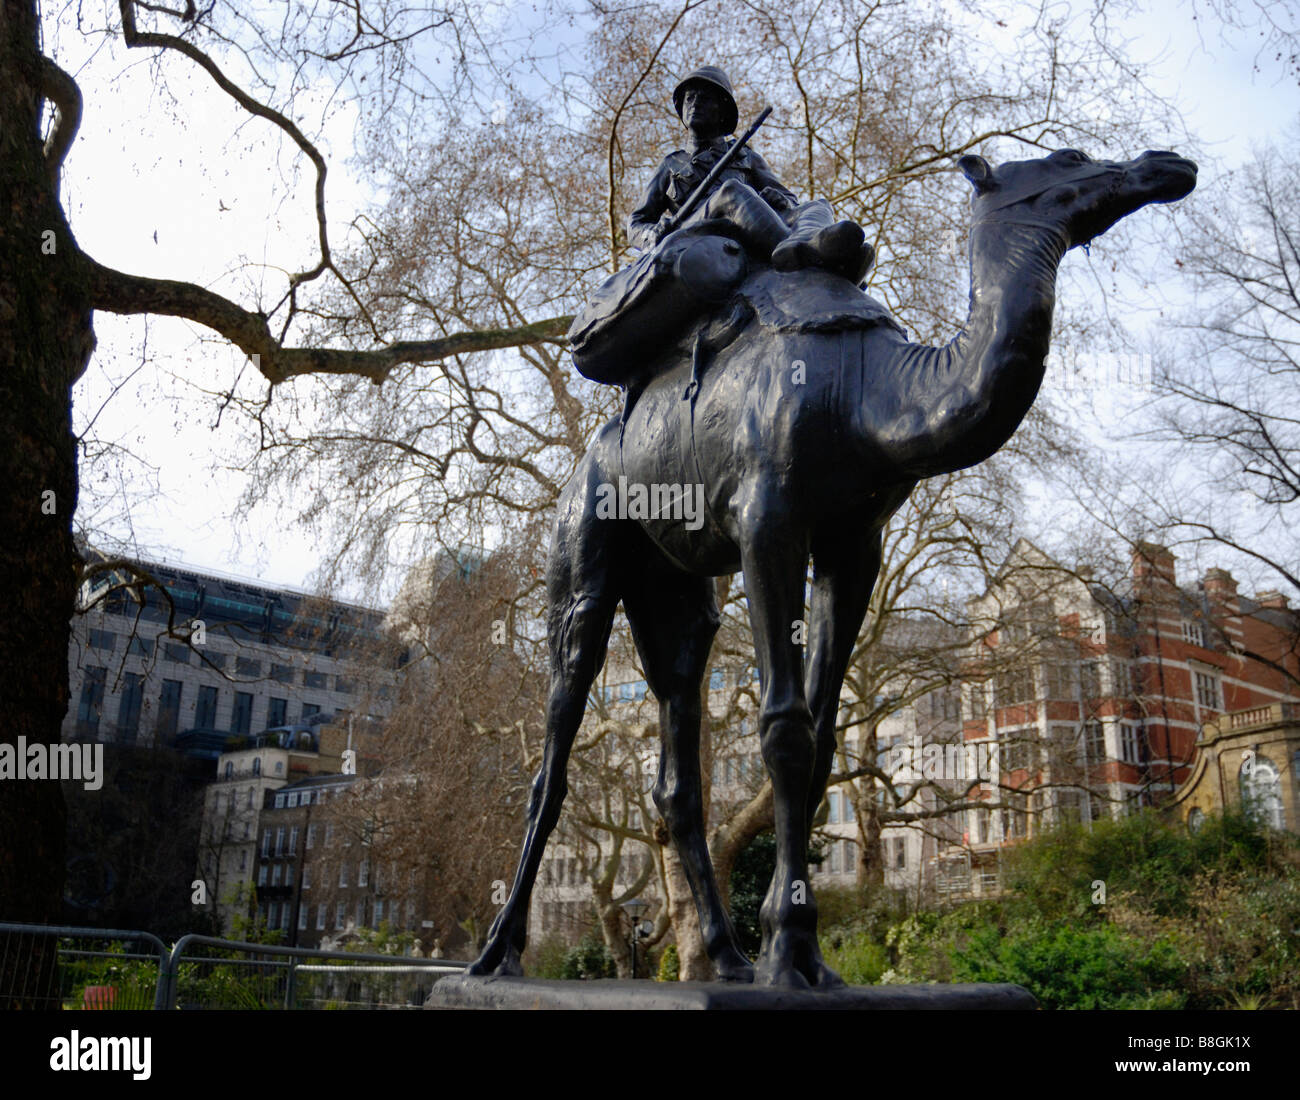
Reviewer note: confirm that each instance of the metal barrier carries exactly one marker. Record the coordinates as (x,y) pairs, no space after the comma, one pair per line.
(275,979)
(106,968)
(94,968)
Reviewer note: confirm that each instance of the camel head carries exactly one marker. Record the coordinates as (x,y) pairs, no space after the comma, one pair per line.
(1071,191)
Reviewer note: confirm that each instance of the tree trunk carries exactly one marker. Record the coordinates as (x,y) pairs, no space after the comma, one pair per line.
(45,341)
(611,929)
(871,865)
(693,962)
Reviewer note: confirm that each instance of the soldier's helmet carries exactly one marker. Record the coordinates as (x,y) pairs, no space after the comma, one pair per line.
(717,80)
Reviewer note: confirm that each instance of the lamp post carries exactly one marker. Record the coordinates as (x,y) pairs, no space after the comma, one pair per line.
(634,907)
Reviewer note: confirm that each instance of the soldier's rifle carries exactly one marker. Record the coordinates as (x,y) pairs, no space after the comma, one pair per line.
(700,193)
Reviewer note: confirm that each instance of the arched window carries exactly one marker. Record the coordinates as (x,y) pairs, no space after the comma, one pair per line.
(1261,791)
(257,765)
(1196,819)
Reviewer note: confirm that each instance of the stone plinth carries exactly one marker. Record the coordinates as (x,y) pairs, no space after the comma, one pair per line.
(460,991)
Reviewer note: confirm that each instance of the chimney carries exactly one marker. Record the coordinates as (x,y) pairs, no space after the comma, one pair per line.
(1219,584)
(1272,598)
(1151,561)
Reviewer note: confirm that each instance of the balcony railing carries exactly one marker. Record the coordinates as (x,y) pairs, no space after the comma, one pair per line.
(1270,715)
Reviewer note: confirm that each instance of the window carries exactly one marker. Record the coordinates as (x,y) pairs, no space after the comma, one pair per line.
(361,912)
(103,639)
(279,840)
(311,836)
(243,860)
(205,711)
(1095,741)
(261,875)
(1090,679)
(379,911)
(176,652)
(250,797)
(92,701)
(216,660)
(257,765)
(340,914)
(169,710)
(306,876)
(1068,807)
(975,694)
(329,834)
(1207,690)
(1060,685)
(343,874)
(128,709)
(272,914)
(302,917)
(846,807)
(241,720)
(1121,684)
(283,673)
(308,709)
(900,853)
(1130,751)
(247,666)
(320,917)
(1015,685)
(981,826)
(277,711)
(1017,750)
(275,875)
(292,800)
(834,799)
(140,647)
(1194,632)
(293,838)
(288,874)
(313,679)
(344,686)
(266,843)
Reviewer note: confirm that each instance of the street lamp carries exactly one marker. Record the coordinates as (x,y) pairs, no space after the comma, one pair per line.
(634,908)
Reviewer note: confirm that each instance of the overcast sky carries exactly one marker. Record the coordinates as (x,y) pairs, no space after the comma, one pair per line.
(177,189)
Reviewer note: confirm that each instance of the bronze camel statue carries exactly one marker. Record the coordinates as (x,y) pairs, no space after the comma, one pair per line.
(806,438)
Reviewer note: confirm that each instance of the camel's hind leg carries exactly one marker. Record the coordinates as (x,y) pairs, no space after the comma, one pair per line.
(843,576)
(673,617)
(583,595)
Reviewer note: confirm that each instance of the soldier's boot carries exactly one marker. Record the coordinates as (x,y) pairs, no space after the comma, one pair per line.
(817,240)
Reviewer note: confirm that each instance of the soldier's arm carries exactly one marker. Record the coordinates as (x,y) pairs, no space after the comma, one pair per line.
(764,178)
(643,224)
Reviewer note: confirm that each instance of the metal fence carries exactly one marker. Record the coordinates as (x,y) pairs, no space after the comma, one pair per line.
(98,968)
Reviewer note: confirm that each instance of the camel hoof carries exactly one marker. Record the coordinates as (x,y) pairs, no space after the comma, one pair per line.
(497,962)
(733,967)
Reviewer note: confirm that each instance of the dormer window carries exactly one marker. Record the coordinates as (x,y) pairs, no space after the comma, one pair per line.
(1194,632)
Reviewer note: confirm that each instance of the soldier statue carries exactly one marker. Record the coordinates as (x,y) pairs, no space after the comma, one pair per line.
(703,225)
(771,222)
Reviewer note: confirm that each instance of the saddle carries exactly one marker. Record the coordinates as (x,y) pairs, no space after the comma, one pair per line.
(699,280)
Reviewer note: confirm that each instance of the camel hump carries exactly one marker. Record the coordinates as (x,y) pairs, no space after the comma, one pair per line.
(813,300)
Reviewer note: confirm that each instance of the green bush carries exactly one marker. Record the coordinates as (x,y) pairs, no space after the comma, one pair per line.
(545,959)
(1065,966)
(589,959)
(669,965)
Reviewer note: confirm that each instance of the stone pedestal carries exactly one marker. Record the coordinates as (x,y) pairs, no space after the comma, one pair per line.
(460,991)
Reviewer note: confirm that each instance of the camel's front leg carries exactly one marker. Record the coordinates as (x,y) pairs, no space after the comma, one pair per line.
(775,559)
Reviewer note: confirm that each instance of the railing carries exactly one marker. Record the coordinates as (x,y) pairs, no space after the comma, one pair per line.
(1270,714)
(57,966)
(54,966)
